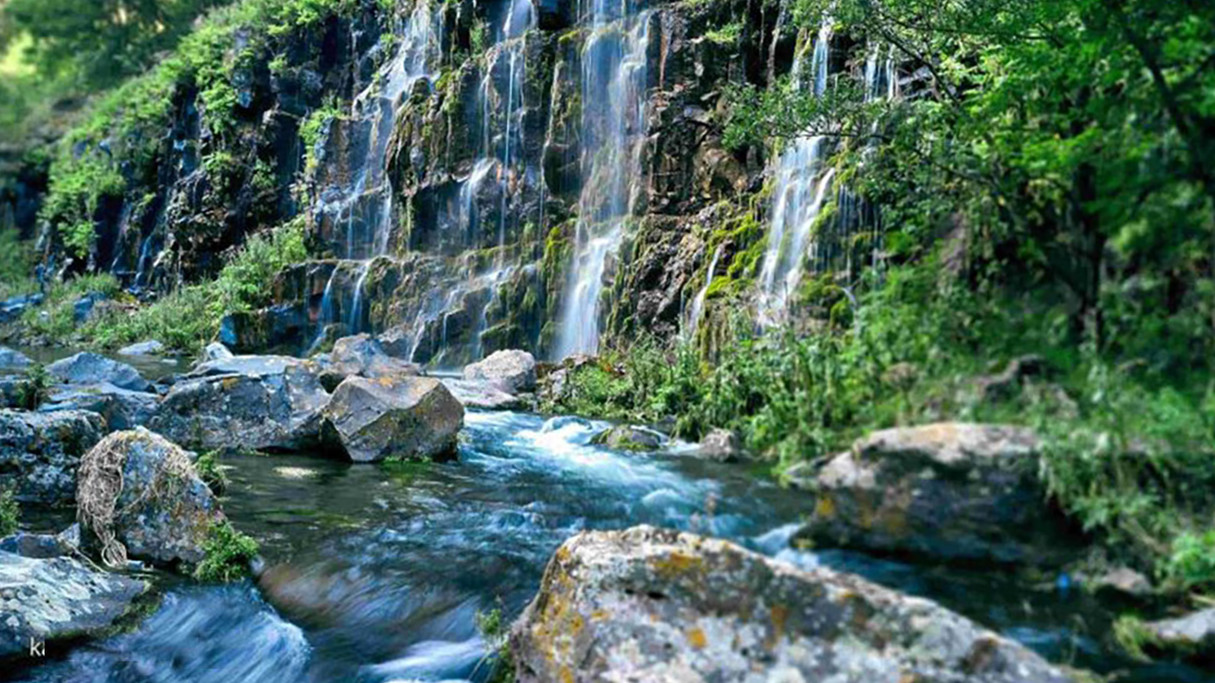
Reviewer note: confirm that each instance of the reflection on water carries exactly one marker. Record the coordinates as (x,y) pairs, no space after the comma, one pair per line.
(377,572)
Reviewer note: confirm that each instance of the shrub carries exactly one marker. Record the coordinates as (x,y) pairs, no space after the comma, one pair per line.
(34,390)
(228,553)
(10,512)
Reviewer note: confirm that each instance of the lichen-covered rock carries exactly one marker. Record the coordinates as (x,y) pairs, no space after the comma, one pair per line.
(361,356)
(951,491)
(39,453)
(151,347)
(656,605)
(413,418)
(13,361)
(140,490)
(511,371)
(90,368)
(629,438)
(57,598)
(120,408)
(1191,636)
(721,445)
(251,402)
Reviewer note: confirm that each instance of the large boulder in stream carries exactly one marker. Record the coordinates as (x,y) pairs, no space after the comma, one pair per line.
(249,402)
(39,453)
(90,368)
(511,371)
(410,418)
(57,598)
(951,491)
(360,356)
(1191,636)
(139,496)
(482,395)
(120,408)
(648,604)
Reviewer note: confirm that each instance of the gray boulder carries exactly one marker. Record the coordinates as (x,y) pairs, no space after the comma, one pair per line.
(948,491)
(482,395)
(139,496)
(57,598)
(39,452)
(511,371)
(630,438)
(146,348)
(249,402)
(14,391)
(13,361)
(216,351)
(360,356)
(413,418)
(121,408)
(721,445)
(14,306)
(648,604)
(1191,636)
(90,368)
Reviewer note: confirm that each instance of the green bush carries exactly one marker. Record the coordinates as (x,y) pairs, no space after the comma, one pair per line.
(228,553)
(56,317)
(35,387)
(10,512)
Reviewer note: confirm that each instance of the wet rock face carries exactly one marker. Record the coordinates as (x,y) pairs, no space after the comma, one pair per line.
(413,418)
(361,356)
(648,605)
(90,368)
(951,491)
(120,408)
(163,511)
(482,395)
(1191,636)
(57,598)
(39,453)
(13,361)
(252,402)
(511,371)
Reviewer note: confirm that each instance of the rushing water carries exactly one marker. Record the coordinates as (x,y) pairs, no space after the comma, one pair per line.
(377,572)
(613,120)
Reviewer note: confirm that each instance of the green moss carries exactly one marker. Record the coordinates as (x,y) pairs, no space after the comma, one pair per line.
(228,553)
(34,389)
(209,470)
(10,512)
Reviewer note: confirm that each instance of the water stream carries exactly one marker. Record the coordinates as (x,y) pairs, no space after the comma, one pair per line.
(376,572)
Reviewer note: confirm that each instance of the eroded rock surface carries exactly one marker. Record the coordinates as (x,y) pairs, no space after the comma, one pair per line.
(39,452)
(120,408)
(90,368)
(511,371)
(953,491)
(414,418)
(656,605)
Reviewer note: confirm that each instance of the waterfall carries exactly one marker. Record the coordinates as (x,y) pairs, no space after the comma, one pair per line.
(364,203)
(613,111)
(698,304)
(801,189)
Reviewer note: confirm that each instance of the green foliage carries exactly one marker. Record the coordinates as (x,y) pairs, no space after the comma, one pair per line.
(1134,637)
(34,390)
(1191,566)
(228,553)
(209,470)
(311,129)
(56,317)
(495,631)
(725,35)
(10,512)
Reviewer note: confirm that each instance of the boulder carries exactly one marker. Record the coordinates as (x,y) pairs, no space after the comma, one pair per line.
(42,546)
(414,418)
(14,391)
(950,491)
(216,351)
(360,356)
(57,598)
(629,438)
(14,306)
(84,309)
(13,361)
(139,496)
(121,408)
(39,452)
(90,368)
(648,604)
(511,371)
(1191,636)
(146,348)
(721,445)
(481,395)
(249,402)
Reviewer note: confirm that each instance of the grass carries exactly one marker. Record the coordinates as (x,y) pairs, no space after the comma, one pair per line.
(228,553)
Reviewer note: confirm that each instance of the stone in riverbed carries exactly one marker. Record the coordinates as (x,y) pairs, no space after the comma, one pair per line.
(949,491)
(163,511)
(629,438)
(251,402)
(13,361)
(90,368)
(57,598)
(511,371)
(721,445)
(413,418)
(650,605)
(216,351)
(120,408)
(151,347)
(1191,636)
(39,453)
(361,356)
(481,395)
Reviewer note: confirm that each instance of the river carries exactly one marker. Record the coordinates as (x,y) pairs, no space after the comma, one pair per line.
(377,572)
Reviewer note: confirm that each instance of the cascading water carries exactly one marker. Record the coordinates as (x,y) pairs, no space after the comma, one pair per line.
(802,186)
(613,110)
(698,304)
(364,203)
